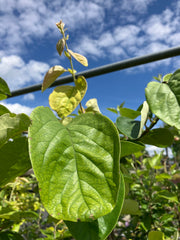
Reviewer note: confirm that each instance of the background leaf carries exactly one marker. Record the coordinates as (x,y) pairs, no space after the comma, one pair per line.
(156,235)
(3,110)
(84,154)
(128,127)
(130,113)
(128,147)
(4,89)
(160,137)
(14,160)
(130,206)
(163,103)
(65,99)
(8,235)
(12,125)
(174,84)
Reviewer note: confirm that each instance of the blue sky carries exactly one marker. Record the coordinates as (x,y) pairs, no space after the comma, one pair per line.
(105,31)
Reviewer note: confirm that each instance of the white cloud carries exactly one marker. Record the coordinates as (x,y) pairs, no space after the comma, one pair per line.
(17,73)
(29,96)
(153,149)
(139,6)
(17,108)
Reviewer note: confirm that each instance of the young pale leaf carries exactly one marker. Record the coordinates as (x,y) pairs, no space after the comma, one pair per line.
(102,227)
(163,103)
(12,125)
(52,74)
(82,162)
(65,99)
(14,160)
(144,116)
(92,105)
(159,137)
(79,58)
(128,127)
(156,235)
(128,148)
(167,77)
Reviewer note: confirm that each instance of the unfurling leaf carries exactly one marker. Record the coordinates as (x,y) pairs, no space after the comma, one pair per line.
(92,106)
(79,58)
(60,46)
(52,74)
(82,162)
(65,99)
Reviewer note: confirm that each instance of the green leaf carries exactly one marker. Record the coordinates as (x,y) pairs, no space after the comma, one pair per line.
(128,148)
(17,216)
(14,160)
(130,113)
(160,137)
(130,207)
(168,195)
(52,74)
(155,161)
(163,176)
(163,103)
(12,125)
(167,77)
(3,110)
(128,127)
(82,162)
(65,99)
(102,227)
(174,84)
(156,235)
(8,235)
(112,110)
(176,235)
(144,116)
(4,89)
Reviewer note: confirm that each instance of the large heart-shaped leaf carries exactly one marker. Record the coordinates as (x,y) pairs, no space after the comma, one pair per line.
(65,99)
(163,103)
(14,160)
(77,165)
(102,227)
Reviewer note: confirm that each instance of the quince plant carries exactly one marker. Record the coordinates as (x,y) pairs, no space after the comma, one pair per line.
(76,160)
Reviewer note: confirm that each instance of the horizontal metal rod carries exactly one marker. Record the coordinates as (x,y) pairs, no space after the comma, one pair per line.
(132,62)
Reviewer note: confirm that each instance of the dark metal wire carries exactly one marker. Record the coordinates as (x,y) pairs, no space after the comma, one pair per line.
(132,62)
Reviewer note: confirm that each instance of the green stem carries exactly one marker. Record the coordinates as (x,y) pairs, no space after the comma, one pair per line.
(153,123)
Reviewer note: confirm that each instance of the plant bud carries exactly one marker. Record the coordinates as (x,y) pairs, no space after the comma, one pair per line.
(60,46)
